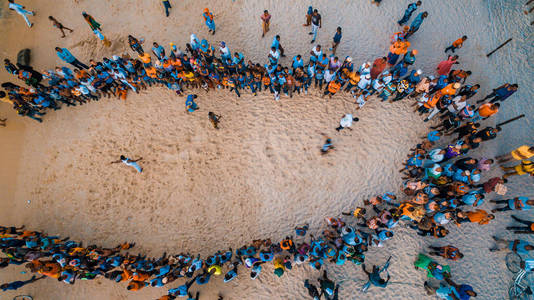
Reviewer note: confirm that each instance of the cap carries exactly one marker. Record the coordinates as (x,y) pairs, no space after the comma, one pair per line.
(414,52)
(456,85)
(223,44)
(349,59)
(406,28)
(419,72)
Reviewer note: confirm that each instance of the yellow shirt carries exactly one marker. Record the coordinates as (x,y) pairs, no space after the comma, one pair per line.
(522,153)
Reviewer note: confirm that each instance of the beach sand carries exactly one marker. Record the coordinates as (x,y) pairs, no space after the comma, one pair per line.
(261,173)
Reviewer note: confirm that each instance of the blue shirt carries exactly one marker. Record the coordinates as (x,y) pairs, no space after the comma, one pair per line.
(522,202)
(65,55)
(433,136)
(411,8)
(297,63)
(158,51)
(337,37)
(417,21)
(275,43)
(520,246)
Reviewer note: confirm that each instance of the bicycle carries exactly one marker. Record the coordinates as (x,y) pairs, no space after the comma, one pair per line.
(520,288)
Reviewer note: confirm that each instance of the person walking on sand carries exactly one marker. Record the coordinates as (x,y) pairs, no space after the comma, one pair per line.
(416,23)
(346,122)
(21,11)
(409,11)
(67,57)
(167,6)
(266,21)
(129,162)
(190,104)
(456,44)
(276,44)
(336,40)
(92,22)
(59,26)
(316,23)
(209,19)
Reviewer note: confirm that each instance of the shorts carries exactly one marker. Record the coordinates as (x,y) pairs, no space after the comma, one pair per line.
(519,170)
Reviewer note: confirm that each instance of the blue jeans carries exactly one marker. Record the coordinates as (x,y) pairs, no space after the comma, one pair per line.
(405,18)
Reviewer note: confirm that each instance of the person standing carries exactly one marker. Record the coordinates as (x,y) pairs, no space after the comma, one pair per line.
(409,11)
(416,23)
(59,26)
(456,44)
(67,57)
(277,46)
(130,162)
(444,67)
(21,11)
(316,23)
(501,93)
(346,122)
(337,39)
(167,6)
(92,22)
(266,21)
(308,16)
(209,19)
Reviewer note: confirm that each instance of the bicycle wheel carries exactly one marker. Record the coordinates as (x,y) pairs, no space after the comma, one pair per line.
(23,297)
(513,262)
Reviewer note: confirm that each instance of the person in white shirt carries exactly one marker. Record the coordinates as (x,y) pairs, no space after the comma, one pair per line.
(364,82)
(274,55)
(346,122)
(21,11)
(329,76)
(316,53)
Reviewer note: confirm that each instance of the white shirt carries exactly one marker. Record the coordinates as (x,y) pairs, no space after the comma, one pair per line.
(459,104)
(364,82)
(346,121)
(317,53)
(275,54)
(361,101)
(329,75)
(225,51)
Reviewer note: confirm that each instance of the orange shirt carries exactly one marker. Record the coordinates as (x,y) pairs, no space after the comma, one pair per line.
(145,58)
(50,269)
(486,111)
(448,90)
(152,72)
(266,80)
(479,216)
(431,103)
(458,43)
(333,87)
(140,276)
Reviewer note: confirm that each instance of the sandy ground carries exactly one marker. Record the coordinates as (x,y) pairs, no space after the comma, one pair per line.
(261,173)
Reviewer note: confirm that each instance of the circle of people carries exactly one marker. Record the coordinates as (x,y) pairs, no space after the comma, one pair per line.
(436,188)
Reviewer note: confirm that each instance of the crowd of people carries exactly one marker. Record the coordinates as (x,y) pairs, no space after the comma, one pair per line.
(442,179)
